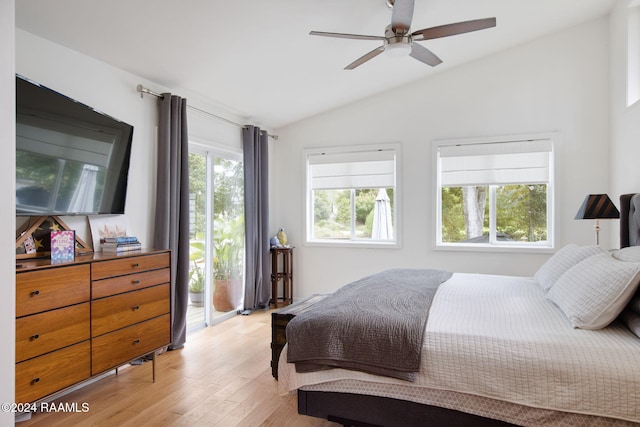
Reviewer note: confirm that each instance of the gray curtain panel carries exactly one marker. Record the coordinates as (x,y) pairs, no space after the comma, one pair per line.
(172,206)
(256,211)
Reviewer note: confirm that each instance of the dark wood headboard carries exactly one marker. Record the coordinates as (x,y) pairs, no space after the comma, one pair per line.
(629,220)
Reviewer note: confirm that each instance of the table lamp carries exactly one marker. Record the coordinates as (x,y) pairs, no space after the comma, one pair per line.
(597,206)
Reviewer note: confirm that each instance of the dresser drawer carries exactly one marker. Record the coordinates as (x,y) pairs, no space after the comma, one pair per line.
(39,377)
(41,333)
(42,290)
(128,265)
(113,349)
(119,311)
(117,285)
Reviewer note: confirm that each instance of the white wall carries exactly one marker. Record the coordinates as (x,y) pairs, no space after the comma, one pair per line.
(558,83)
(113,91)
(625,134)
(7,195)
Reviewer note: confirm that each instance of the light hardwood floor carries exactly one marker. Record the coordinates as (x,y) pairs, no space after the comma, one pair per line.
(222,377)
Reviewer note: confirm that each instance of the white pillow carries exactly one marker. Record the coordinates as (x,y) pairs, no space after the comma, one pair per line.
(630,254)
(593,292)
(562,261)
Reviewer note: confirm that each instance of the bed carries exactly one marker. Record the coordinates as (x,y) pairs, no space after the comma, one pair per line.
(557,349)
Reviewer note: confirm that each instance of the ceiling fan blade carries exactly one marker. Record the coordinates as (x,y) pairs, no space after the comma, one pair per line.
(345,36)
(423,54)
(375,52)
(454,29)
(402,16)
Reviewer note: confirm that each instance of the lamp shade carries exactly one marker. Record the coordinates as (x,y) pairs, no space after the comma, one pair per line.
(597,206)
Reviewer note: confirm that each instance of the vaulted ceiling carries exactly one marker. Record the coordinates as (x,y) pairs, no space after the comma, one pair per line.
(256,59)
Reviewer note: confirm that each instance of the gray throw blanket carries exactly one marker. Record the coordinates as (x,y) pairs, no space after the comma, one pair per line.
(375,324)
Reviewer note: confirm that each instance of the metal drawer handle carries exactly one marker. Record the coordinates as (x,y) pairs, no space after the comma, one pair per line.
(137,341)
(135,265)
(135,282)
(34,337)
(35,380)
(136,307)
(34,293)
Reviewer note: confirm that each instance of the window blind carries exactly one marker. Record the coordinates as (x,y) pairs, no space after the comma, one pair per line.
(495,163)
(355,169)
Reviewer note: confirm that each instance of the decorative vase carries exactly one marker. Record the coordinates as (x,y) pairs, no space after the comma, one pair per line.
(227,294)
(282,237)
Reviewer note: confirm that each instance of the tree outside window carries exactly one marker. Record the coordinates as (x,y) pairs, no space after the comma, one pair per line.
(346,214)
(521,213)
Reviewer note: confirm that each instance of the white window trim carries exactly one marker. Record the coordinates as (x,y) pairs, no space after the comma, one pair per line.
(633,53)
(365,243)
(547,247)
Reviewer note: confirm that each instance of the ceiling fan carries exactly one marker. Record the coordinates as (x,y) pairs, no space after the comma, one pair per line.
(398,39)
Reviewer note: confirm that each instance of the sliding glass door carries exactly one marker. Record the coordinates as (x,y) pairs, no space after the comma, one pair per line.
(197,314)
(217,236)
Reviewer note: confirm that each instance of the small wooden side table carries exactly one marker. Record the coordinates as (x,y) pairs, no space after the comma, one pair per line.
(279,321)
(284,275)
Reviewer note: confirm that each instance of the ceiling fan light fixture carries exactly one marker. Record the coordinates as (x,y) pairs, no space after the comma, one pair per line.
(399,40)
(397,50)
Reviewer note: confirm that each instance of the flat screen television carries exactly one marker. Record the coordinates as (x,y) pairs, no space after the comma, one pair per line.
(71,159)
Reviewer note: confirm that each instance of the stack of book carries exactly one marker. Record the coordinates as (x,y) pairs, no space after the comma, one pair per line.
(121,244)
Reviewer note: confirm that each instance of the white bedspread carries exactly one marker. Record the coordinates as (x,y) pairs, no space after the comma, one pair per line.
(497,337)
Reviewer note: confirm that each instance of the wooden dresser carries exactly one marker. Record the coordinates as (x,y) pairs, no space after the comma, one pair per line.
(79,319)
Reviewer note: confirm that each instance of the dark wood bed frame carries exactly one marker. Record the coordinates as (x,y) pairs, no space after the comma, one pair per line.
(361,410)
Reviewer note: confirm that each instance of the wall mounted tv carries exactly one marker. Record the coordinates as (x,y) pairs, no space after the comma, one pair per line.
(70,158)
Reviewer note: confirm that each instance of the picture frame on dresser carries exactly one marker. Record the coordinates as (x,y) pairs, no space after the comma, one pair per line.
(104,226)
(33,238)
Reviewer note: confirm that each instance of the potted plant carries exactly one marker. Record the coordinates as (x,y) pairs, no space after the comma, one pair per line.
(196,274)
(228,262)
(196,285)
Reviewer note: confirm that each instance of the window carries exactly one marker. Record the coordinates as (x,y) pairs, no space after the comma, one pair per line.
(494,193)
(352,195)
(633,52)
